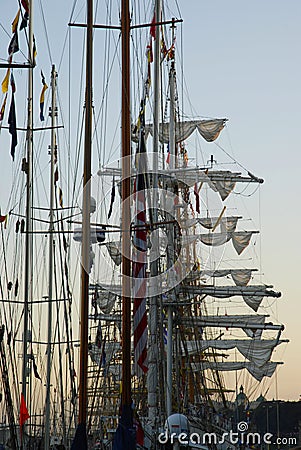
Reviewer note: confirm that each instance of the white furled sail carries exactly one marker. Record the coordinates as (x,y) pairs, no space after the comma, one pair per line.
(267,370)
(257,351)
(208,129)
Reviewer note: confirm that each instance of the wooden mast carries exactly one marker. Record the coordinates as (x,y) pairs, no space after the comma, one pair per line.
(82,417)
(126,213)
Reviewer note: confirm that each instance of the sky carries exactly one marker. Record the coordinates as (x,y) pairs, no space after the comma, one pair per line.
(241,61)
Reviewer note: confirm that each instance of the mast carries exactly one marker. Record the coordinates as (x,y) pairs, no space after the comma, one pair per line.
(50,257)
(172,165)
(126,213)
(86,222)
(28,225)
(153,319)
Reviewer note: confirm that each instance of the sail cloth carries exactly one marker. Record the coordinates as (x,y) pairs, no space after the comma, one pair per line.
(105,300)
(114,251)
(103,355)
(241,277)
(267,370)
(240,239)
(246,322)
(208,129)
(257,351)
(252,294)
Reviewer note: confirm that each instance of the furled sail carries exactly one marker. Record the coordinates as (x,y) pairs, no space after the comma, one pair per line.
(240,239)
(114,251)
(257,351)
(252,325)
(241,277)
(208,129)
(105,300)
(103,354)
(267,370)
(252,294)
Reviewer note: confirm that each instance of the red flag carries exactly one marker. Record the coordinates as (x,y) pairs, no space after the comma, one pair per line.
(23,411)
(3,218)
(153,27)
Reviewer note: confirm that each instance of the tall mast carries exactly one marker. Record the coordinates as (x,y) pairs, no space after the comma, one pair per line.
(86,222)
(50,256)
(126,212)
(172,165)
(153,320)
(28,235)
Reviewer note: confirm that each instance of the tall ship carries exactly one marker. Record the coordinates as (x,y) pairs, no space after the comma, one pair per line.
(133,305)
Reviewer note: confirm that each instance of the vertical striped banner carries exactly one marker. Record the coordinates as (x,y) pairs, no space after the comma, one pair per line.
(139,268)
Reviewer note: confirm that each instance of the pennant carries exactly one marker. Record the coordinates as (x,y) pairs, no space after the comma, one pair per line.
(112,198)
(3,219)
(153,27)
(61,198)
(2,110)
(168,155)
(23,412)
(149,52)
(24,20)
(56,176)
(25,5)
(16,287)
(12,83)
(5,81)
(34,51)
(34,366)
(42,97)
(14,25)
(12,126)
(197,198)
(14,44)
(139,431)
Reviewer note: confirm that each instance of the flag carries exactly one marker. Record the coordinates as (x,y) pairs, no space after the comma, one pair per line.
(2,110)
(197,198)
(3,219)
(112,198)
(5,81)
(153,27)
(42,97)
(25,5)
(139,266)
(61,198)
(12,126)
(25,18)
(139,431)
(14,25)
(168,155)
(80,438)
(125,436)
(34,51)
(23,412)
(12,83)
(14,44)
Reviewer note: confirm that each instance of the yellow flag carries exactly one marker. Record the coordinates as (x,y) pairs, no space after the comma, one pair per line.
(14,25)
(6,81)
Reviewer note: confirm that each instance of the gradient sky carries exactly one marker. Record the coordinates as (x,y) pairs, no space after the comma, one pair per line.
(241,61)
